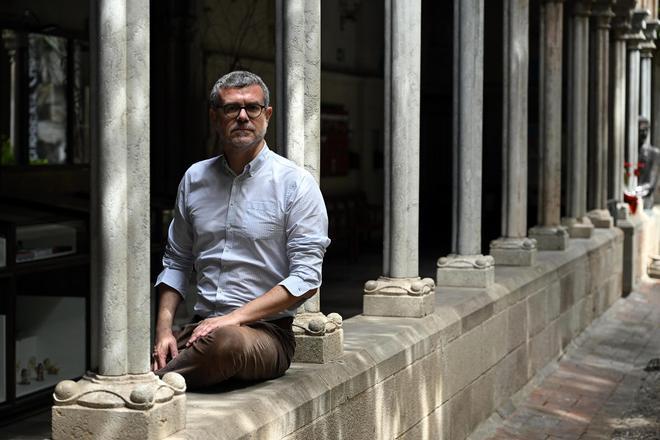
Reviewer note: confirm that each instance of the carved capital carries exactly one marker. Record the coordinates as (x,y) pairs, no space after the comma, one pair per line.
(454,261)
(526,244)
(134,391)
(603,13)
(399,286)
(316,324)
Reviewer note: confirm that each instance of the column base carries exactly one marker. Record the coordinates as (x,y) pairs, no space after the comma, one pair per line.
(137,406)
(601,218)
(319,339)
(466,271)
(653,268)
(578,227)
(508,251)
(550,238)
(401,297)
(622,212)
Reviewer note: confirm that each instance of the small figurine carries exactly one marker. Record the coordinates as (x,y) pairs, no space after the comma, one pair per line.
(25,378)
(40,372)
(50,367)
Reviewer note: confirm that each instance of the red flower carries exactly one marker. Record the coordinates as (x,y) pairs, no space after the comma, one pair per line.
(631,200)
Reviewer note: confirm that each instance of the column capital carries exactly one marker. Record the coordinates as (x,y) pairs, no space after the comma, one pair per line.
(637,27)
(602,12)
(582,8)
(651,34)
(621,22)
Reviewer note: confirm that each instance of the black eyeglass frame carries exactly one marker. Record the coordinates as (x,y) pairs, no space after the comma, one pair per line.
(238,110)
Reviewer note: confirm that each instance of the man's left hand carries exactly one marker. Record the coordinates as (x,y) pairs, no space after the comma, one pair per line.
(209,325)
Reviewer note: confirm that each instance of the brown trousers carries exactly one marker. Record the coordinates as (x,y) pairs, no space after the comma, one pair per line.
(257,351)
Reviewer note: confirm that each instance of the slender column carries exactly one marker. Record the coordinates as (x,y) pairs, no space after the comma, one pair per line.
(579,226)
(634,39)
(513,247)
(466,267)
(617,133)
(655,119)
(124,379)
(400,291)
(549,233)
(14,43)
(647,49)
(599,115)
(319,339)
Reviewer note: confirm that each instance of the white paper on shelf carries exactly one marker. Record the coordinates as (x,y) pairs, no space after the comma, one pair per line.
(36,242)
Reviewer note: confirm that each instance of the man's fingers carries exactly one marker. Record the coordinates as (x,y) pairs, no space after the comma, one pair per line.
(173,350)
(160,356)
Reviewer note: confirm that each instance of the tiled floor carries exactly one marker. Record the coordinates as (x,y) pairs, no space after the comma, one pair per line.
(595,384)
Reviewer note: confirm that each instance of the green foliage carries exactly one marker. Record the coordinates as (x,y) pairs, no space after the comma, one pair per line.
(6,152)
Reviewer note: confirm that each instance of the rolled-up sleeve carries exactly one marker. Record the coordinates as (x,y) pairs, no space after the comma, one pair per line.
(178,257)
(307,237)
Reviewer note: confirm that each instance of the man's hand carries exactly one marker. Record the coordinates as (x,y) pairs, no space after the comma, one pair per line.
(165,345)
(211,324)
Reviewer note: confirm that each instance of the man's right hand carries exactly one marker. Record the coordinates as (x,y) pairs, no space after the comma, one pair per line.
(165,345)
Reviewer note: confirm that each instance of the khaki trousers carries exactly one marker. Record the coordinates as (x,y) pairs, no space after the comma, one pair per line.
(257,351)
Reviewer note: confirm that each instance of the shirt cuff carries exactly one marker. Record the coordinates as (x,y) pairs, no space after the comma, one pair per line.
(296,286)
(176,279)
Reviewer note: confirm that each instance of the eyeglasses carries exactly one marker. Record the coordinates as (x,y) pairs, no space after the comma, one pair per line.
(233,110)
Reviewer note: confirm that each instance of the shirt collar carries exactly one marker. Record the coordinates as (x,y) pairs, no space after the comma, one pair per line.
(253,166)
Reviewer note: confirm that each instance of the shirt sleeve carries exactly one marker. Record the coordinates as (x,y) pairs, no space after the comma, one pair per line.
(307,237)
(178,257)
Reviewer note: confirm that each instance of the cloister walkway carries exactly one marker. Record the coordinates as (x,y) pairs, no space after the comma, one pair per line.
(600,389)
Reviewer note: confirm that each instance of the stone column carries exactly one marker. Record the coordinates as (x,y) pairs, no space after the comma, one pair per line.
(125,396)
(549,234)
(647,49)
(634,39)
(579,225)
(15,43)
(400,291)
(514,248)
(598,116)
(617,129)
(319,339)
(655,120)
(466,267)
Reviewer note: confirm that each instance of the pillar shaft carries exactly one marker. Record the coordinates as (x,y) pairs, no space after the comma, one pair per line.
(312,106)
(514,129)
(403,132)
(550,111)
(577,122)
(123,179)
(632,114)
(598,117)
(293,71)
(655,120)
(645,84)
(468,125)
(618,115)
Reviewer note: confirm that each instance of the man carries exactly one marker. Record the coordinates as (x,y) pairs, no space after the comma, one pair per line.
(254,227)
(649,156)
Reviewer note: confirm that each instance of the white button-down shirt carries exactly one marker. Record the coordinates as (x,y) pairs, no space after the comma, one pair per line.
(245,234)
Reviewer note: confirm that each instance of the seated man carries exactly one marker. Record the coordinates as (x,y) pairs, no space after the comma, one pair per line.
(254,227)
(649,158)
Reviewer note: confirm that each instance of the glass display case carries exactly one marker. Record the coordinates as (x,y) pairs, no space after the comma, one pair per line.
(44,304)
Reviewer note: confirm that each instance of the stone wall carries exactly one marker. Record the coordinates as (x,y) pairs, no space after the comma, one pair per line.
(435,377)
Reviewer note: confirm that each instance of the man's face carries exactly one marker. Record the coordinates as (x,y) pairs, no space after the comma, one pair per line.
(643,132)
(240,132)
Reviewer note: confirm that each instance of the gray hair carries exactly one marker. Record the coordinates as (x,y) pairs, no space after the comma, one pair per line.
(237,80)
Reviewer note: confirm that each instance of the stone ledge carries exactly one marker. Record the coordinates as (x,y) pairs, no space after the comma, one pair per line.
(376,349)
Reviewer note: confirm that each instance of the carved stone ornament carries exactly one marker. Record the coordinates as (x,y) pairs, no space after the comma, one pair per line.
(454,261)
(548,230)
(317,324)
(526,244)
(139,391)
(653,269)
(399,286)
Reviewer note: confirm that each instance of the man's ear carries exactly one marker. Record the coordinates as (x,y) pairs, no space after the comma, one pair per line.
(269,112)
(213,115)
